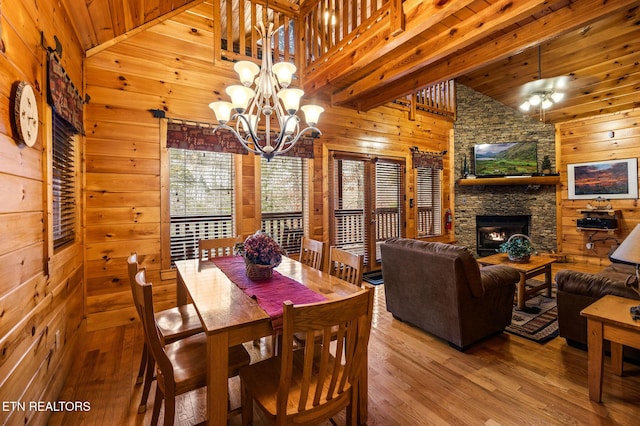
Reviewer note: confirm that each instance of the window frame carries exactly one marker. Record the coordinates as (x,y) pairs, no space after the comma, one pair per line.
(58,125)
(287,231)
(436,198)
(204,228)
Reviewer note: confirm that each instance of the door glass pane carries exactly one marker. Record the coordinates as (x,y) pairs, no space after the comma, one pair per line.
(387,202)
(349,204)
(428,194)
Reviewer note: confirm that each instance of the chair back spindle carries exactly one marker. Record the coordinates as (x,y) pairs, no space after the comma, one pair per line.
(312,253)
(346,265)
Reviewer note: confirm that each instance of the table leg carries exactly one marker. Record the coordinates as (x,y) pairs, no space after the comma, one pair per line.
(181,291)
(616,358)
(522,291)
(547,279)
(595,358)
(217,378)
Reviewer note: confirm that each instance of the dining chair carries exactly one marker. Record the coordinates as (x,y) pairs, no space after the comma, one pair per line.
(214,247)
(312,252)
(173,324)
(346,265)
(315,383)
(181,365)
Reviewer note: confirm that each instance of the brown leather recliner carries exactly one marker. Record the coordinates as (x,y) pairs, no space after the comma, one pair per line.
(577,290)
(441,289)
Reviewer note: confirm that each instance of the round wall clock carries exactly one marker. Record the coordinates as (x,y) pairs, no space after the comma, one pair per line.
(25,107)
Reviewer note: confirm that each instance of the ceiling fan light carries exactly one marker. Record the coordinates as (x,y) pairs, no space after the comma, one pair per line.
(546,104)
(535,99)
(557,96)
(525,106)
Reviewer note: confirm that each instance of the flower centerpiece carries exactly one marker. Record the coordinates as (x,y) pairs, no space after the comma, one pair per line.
(518,248)
(261,254)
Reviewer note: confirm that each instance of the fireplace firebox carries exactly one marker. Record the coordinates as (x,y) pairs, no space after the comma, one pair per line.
(492,231)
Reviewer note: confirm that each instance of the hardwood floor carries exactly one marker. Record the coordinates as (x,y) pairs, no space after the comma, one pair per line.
(414,379)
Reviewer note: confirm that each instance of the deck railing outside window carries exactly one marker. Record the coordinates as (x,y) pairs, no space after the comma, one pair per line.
(286,228)
(186,231)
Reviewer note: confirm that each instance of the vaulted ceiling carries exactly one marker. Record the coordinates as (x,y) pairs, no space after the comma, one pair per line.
(595,44)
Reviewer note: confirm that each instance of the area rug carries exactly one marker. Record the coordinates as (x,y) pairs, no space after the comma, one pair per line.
(539,327)
(374,277)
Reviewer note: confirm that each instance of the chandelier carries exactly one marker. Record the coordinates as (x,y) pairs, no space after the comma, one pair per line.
(543,94)
(271,99)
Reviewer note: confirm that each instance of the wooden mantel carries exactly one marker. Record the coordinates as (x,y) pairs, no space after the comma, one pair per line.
(514,180)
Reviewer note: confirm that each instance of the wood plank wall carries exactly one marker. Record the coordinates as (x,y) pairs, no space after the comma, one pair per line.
(41,291)
(124,173)
(602,138)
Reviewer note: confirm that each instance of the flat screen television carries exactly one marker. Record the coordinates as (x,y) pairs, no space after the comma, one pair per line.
(506,159)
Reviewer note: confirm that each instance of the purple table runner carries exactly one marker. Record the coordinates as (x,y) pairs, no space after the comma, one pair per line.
(269,293)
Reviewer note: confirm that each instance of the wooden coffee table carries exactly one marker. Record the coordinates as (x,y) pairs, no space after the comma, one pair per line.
(537,265)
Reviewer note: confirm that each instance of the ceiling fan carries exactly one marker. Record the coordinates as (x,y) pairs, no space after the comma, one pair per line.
(543,93)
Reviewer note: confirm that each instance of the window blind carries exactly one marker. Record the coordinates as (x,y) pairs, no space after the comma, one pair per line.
(284,183)
(201,199)
(63,182)
(429,194)
(388,202)
(349,231)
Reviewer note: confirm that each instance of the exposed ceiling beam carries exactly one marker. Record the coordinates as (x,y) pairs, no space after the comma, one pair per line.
(412,57)
(99,48)
(529,35)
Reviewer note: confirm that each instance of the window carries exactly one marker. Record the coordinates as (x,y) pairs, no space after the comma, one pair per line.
(428,201)
(63,183)
(201,199)
(284,194)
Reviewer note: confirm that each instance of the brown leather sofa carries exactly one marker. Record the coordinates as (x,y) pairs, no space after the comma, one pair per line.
(577,290)
(441,289)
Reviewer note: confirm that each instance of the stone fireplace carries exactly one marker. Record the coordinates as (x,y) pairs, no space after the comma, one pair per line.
(491,231)
(480,119)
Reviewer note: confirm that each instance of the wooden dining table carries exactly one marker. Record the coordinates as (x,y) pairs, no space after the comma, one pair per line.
(229,317)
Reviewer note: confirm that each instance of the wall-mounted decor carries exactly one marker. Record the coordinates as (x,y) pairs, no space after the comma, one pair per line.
(25,113)
(607,179)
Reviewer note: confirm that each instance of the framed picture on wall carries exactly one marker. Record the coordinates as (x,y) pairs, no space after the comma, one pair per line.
(613,179)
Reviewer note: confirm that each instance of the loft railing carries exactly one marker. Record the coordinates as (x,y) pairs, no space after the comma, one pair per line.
(329,24)
(314,32)
(437,99)
(235,21)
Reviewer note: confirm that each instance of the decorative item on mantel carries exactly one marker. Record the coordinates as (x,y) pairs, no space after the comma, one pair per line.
(545,166)
(465,167)
(518,248)
(261,254)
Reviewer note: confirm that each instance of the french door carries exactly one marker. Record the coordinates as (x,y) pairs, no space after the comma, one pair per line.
(366,203)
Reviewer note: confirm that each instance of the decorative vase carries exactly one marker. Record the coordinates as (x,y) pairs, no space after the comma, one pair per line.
(257,272)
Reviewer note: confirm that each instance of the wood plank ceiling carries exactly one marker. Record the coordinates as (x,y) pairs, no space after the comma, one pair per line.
(600,56)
